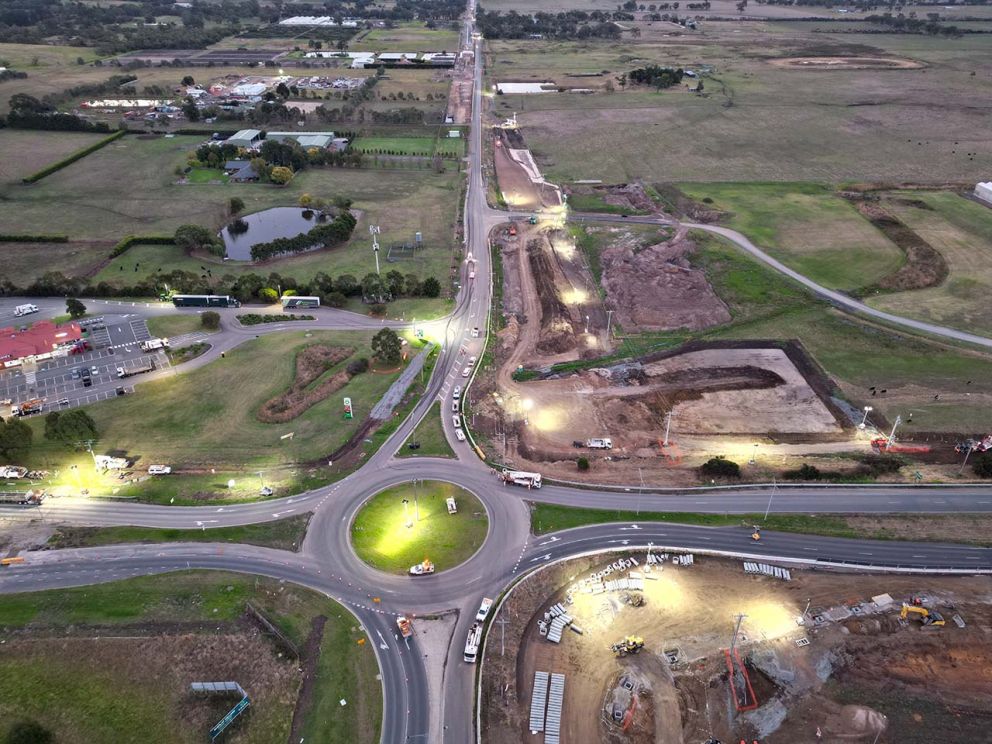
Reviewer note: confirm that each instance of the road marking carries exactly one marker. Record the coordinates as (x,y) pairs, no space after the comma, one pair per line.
(632,527)
(541,558)
(548,542)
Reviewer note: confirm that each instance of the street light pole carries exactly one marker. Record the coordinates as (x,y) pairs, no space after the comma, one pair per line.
(864,421)
(406,513)
(769,507)
(754,454)
(416,499)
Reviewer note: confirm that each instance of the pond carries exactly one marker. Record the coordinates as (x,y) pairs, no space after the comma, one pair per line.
(264,226)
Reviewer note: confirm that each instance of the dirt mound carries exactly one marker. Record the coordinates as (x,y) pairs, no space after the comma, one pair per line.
(311,363)
(557,333)
(656,289)
(924,267)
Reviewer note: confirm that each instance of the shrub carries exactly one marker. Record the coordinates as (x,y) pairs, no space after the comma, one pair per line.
(334,299)
(982,465)
(431,287)
(269,295)
(720,467)
(357,366)
(377,309)
(806,472)
(129,240)
(28,732)
(9,238)
(880,464)
(236,205)
(210,320)
(582,463)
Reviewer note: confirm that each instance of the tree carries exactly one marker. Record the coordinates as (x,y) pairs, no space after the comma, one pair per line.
(236,205)
(15,440)
(75,308)
(412,285)
(194,237)
(187,80)
(341,202)
(373,289)
(982,465)
(720,467)
(210,320)
(582,463)
(281,175)
(347,285)
(386,346)
(267,294)
(28,732)
(334,299)
(305,201)
(71,428)
(282,90)
(431,287)
(190,110)
(394,282)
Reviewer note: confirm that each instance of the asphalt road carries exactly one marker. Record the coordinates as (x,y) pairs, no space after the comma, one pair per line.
(327,563)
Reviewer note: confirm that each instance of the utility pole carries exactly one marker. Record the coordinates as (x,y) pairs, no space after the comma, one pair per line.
(502,635)
(769,507)
(639,491)
(668,427)
(737,629)
(892,434)
(609,323)
(374,232)
(967,454)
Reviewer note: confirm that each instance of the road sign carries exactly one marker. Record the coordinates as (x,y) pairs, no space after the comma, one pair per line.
(348,412)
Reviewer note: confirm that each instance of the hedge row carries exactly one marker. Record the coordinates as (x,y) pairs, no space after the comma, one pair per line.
(78,155)
(128,240)
(6,238)
(250,319)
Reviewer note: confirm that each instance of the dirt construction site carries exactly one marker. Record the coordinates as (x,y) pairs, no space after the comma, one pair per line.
(670,650)
(709,398)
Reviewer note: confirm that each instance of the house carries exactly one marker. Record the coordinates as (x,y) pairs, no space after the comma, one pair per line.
(983,191)
(38,341)
(245,174)
(246,138)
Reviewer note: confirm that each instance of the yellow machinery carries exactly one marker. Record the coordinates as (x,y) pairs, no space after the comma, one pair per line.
(756,535)
(927,617)
(628,645)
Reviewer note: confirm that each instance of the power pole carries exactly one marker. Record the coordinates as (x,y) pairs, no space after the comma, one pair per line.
(668,427)
(609,323)
(502,635)
(737,629)
(640,490)
(769,507)
(374,232)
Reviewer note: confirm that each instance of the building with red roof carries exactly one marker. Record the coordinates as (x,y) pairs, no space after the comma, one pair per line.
(43,337)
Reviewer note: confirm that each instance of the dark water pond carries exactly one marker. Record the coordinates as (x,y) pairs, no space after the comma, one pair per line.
(264,226)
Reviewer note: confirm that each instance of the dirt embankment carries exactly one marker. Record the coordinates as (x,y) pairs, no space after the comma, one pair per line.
(557,332)
(924,267)
(655,288)
(311,362)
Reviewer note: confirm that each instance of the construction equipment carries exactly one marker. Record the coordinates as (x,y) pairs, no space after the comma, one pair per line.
(756,535)
(627,646)
(930,618)
(424,568)
(28,407)
(405,626)
(882,444)
(974,445)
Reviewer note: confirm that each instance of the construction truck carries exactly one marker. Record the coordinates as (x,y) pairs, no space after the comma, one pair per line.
(154,344)
(424,568)
(600,443)
(108,462)
(144,365)
(974,445)
(472,643)
(929,618)
(627,646)
(28,407)
(521,478)
(882,444)
(405,626)
(22,498)
(12,471)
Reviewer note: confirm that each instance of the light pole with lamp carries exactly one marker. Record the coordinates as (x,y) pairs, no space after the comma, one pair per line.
(864,420)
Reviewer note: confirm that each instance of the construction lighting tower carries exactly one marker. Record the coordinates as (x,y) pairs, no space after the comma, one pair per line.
(374,232)
(892,434)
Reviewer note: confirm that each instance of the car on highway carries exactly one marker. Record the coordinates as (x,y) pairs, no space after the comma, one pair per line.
(459,435)
(466,372)
(457,420)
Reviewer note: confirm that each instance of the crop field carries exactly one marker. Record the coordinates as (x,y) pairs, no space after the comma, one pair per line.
(807,227)
(754,121)
(97,202)
(134,685)
(961,230)
(210,415)
(406,37)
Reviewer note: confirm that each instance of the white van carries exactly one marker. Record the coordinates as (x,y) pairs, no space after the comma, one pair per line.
(25,310)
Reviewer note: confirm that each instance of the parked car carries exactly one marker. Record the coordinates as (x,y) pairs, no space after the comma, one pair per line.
(459,435)
(466,372)
(457,420)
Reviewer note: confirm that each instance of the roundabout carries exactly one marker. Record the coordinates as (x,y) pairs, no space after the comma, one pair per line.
(407,524)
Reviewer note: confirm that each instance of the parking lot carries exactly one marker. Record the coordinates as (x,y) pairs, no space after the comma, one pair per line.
(60,381)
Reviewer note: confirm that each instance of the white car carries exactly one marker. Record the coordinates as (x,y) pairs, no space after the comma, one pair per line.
(484,610)
(159,469)
(457,420)
(466,372)
(475,332)
(457,392)
(459,435)
(473,359)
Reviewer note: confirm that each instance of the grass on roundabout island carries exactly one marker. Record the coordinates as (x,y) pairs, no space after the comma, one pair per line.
(382,539)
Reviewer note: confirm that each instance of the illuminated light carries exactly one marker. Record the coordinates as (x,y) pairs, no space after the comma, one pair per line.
(574,296)
(527,404)
(546,420)
(770,620)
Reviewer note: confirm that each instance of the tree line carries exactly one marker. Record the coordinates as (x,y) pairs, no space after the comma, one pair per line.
(333,233)
(572,24)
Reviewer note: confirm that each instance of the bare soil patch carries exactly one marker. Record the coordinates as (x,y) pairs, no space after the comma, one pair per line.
(311,362)
(656,289)
(924,266)
(847,63)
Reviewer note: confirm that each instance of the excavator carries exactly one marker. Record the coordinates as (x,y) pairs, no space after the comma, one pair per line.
(929,618)
(628,645)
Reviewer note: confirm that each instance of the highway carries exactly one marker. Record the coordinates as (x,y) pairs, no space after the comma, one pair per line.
(327,563)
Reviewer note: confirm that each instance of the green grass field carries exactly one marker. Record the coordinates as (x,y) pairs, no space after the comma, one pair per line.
(103,699)
(208,416)
(382,539)
(98,202)
(430,435)
(407,37)
(961,230)
(399,145)
(169,326)
(807,227)
(282,534)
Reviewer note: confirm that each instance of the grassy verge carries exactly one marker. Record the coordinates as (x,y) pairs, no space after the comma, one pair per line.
(186,353)
(430,434)
(284,534)
(970,529)
(169,326)
(99,697)
(382,539)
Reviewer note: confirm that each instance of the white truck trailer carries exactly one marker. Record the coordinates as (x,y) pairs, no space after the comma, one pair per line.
(521,478)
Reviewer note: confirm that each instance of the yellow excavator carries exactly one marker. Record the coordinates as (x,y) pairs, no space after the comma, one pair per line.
(628,645)
(929,618)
